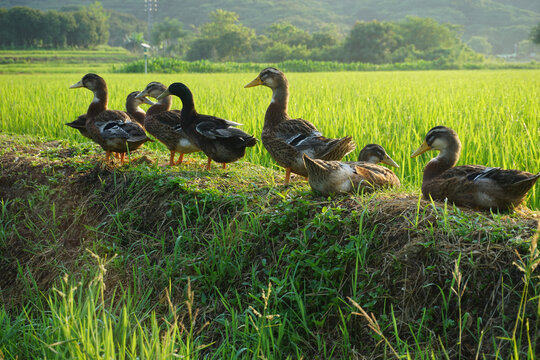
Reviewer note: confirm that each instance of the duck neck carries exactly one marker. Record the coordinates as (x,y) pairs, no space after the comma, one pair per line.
(444,161)
(161,106)
(188,109)
(277,110)
(138,115)
(99,103)
(135,112)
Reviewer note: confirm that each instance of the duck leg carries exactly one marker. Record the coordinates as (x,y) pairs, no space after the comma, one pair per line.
(180,159)
(107,156)
(223,165)
(287,176)
(208,164)
(171,159)
(122,157)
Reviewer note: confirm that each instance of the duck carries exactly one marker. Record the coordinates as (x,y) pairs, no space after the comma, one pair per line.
(164,124)
(218,138)
(287,139)
(474,186)
(334,177)
(133,104)
(113,130)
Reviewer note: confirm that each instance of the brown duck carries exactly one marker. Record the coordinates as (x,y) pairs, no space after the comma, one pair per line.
(133,104)
(332,177)
(164,124)
(113,130)
(287,139)
(472,186)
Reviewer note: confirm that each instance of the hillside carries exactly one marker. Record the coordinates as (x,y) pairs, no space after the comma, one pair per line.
(503,22)
(148,262)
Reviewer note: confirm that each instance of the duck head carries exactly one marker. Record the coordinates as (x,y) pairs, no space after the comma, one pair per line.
(153,89)
(271,77)
(375,154)
(440,138)
(135,100)
(92,82)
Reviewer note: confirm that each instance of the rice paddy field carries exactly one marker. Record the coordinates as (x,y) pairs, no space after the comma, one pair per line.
(495,113)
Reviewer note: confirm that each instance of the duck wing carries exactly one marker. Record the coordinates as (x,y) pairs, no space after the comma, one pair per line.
(78,123)
(135,132)
(305,138)
(212,127)
(118,124)
(480,186)
(373,176)
(169,118)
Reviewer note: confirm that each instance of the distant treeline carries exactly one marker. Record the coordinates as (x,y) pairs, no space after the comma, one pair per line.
(224,38)
(24,27)
(171,65)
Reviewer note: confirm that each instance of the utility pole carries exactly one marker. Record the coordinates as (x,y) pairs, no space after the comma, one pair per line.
(150,6)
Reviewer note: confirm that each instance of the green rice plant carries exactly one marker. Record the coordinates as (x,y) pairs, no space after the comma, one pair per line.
(495,113)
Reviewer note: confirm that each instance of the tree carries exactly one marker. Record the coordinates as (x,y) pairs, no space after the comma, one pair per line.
(426,33)
(91,27)
(222,39)
(535,34)
(327,36)
(23,26)
(480,44)
(4,35)
(371,42)
(121,26)
(100,19)
(133,41)
(167,35)
(289,34)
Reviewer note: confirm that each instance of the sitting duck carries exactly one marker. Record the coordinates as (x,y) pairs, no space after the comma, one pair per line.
(287,139)
(218,138)
(164,124)
(113,130)
(473,186)
(332,177)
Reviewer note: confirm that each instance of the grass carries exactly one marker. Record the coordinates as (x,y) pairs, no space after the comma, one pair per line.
(152,262)
(495,113)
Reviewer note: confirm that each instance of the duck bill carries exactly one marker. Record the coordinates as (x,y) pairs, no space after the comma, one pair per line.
(78,84)
(141,94)
(389,161)
(422,149)
(255,82)
(145,100)
(163,94)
